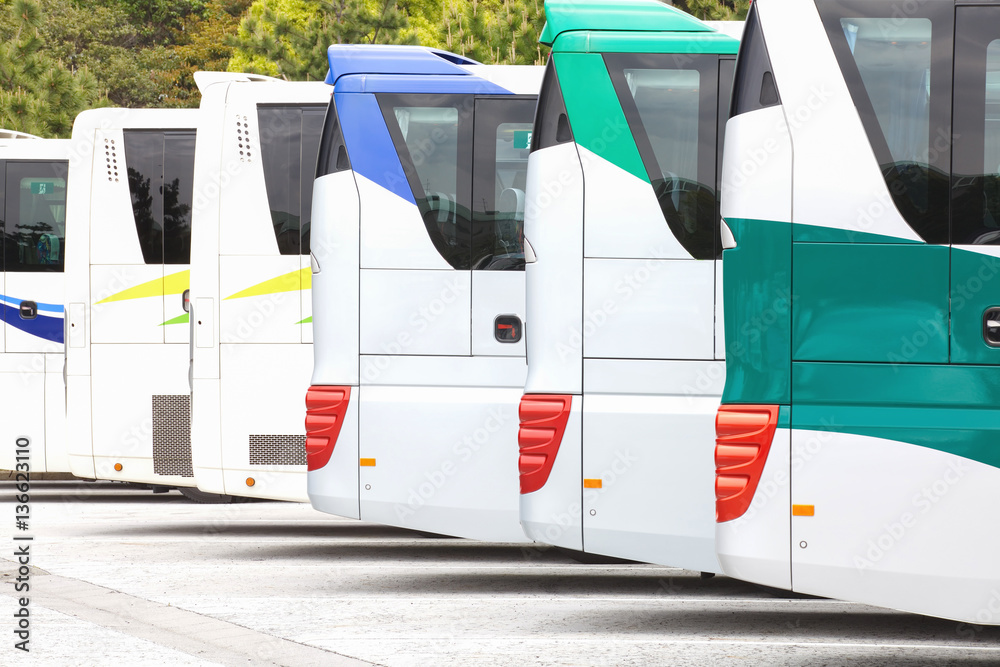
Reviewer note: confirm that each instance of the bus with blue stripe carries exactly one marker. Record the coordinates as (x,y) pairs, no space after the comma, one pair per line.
(33,179)
(418,291)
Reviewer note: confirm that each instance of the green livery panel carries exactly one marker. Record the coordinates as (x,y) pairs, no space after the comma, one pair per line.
(868,302)
(563,16)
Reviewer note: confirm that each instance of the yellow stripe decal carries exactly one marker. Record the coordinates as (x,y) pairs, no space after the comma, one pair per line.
(175,283)
(290,282)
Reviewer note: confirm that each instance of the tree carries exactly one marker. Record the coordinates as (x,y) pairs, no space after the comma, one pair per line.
(495,32)
(38,93)
(716,10)
(293,45)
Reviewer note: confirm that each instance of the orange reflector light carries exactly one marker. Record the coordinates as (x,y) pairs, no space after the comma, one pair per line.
(250,481)
(803,510)
(367,463)
(743,441)
(118,467)
(592,484)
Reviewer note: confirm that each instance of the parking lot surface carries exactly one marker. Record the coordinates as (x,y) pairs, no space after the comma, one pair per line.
(120,576)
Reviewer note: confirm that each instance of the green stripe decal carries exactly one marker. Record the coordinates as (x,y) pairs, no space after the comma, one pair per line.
(308,320)
(953,409)
(596,116)
(180,319)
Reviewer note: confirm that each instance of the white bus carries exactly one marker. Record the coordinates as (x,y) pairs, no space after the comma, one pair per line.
(250,283)
(33,177)
(418,291)
(129,200)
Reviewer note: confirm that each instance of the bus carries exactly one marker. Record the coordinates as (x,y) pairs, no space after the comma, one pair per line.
(418,291)
(250,284)
(129,200)
(859,434)
(33,177)
(625,368)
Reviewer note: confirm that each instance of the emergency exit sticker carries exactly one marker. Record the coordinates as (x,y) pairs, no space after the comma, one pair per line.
(522,139)
(42,187)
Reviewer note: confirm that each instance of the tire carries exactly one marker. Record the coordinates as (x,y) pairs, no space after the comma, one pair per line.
(203,498)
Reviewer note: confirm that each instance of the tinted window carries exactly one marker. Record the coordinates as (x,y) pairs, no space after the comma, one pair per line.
(976,169)
(551,126)
(161,182)
(898,68)
(672,112)
(333,155)
(289,141)
(502,145)
(34,218)
(433,138)
(754,87)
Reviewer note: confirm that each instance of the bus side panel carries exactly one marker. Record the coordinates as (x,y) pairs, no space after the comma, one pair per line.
(919,542)
(80,441)
(554,513)
(56,456)
(436,440)
(755,547)
(554,297)
(264,430)
(335,244)
(648,463)
(22,392)
(206,441)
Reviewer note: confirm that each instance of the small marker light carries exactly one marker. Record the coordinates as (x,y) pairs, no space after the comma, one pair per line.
(118,467)
(250,481)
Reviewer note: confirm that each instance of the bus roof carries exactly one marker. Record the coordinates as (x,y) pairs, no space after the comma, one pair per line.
(632,26)
(347,59)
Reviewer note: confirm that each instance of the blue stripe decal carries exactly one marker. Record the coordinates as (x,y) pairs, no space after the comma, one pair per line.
(370,145)
(347,59)
(48,328)
(47,307)
(443,85)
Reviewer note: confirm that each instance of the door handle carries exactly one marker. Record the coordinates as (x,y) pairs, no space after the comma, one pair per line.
(28,310)
(507,328)
(991,326)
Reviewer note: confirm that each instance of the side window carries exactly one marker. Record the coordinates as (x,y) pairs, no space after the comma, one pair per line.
(333,155)
(161,182)
(502,145)
(290,142)
(898,69)
(976,166)
(432,136)
(754,86)
(551,126)
(672,111)
(34,218)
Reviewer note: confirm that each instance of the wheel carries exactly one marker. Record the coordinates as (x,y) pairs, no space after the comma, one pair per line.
(198,496)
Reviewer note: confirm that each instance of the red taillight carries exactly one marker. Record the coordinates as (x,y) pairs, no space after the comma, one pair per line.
(543,422)
(326,408)
(743,440)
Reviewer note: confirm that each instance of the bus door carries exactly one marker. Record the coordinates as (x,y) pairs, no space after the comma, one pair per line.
(140,245)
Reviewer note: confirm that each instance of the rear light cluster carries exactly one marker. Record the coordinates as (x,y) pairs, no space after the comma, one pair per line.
(326,408)
(543,423)
(743,440)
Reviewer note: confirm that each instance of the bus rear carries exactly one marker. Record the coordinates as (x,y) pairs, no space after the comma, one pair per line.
(857,440)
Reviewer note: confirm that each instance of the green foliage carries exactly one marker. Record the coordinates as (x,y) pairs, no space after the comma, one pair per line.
(716,10)
(293,44)
(495,32)
(39,94)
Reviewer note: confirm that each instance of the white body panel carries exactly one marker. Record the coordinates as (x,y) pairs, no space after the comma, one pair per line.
(393,235)
(127,385)
(553,314)
(757,167)
(31,365)
(873,545)
(252,355)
